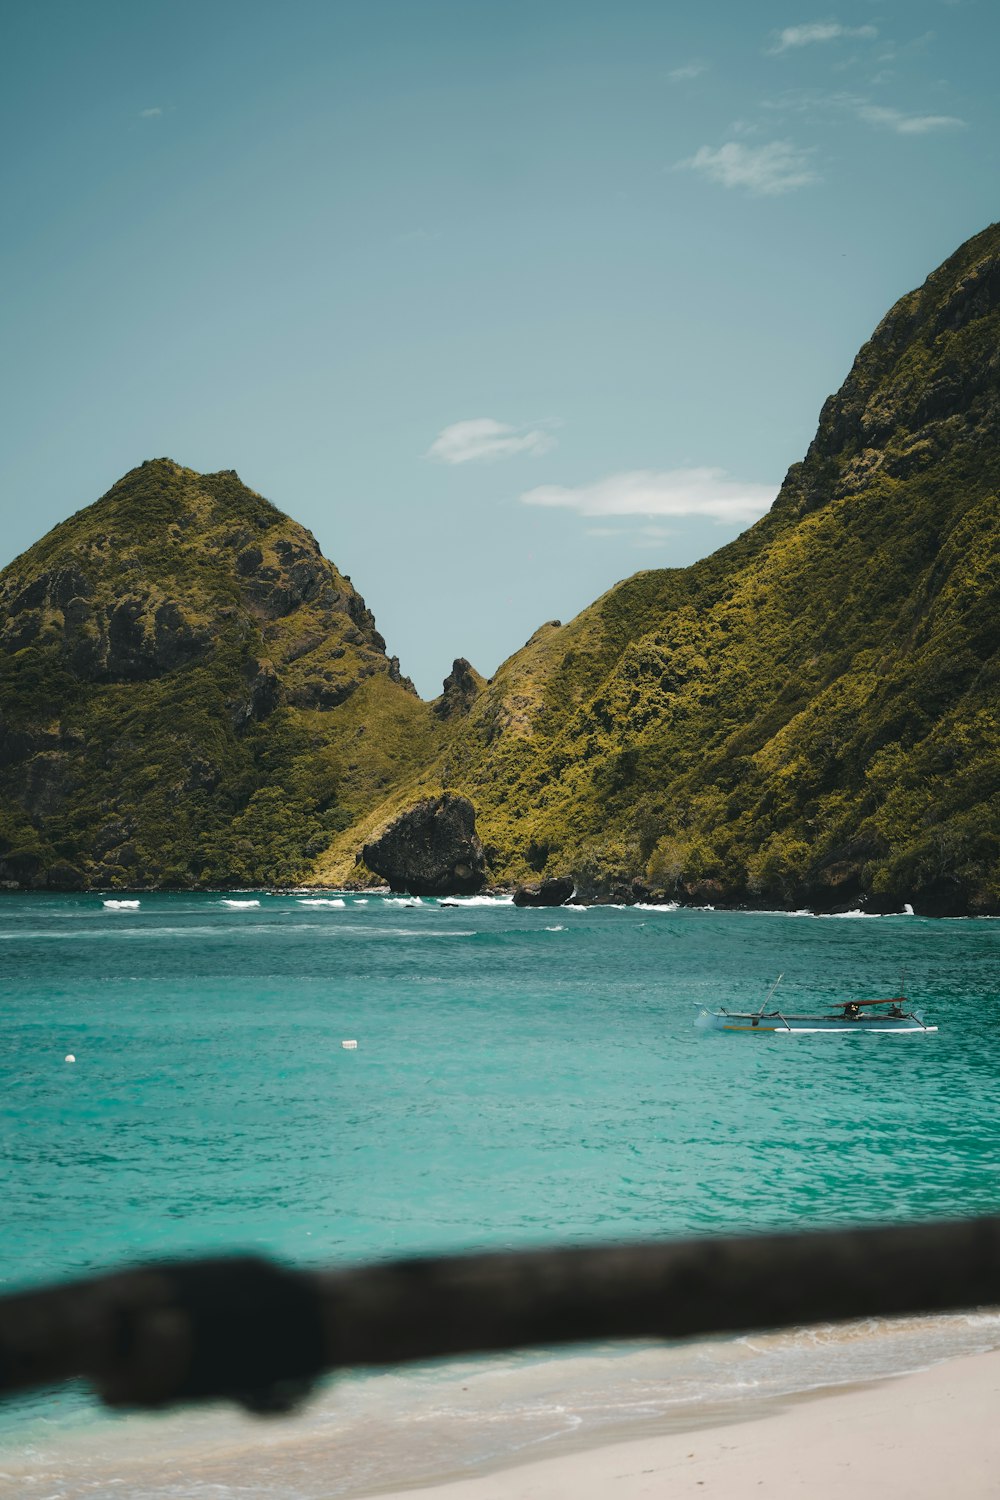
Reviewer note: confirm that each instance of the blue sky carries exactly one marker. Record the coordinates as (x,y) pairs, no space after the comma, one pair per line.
(503,301)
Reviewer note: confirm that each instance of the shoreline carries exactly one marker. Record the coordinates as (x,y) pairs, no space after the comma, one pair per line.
(503,895)
(906,1437)
(542,1429)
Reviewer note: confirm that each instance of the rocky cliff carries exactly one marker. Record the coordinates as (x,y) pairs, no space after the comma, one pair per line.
(811,716)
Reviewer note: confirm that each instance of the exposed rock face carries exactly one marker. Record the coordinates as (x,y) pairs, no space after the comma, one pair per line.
(431,849)
(923,388)
(461,689)
(396,676)
(606,890)
(555,891)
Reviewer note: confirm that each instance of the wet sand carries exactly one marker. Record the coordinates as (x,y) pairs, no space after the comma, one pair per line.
(919,1437)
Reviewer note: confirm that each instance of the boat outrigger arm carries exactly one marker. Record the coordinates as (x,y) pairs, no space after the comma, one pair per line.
(769,994)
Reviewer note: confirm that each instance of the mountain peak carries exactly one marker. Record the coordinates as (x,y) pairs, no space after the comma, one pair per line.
(923,388)
(808,717)
(181,642)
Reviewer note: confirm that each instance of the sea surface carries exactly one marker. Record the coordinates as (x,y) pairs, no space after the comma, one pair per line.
(520,1078)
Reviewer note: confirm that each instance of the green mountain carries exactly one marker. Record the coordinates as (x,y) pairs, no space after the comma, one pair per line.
(190,694)
(812,714)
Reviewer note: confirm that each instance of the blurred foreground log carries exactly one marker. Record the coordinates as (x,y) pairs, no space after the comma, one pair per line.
(261,1334)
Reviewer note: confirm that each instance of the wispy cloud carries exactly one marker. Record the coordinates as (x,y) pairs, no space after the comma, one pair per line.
(765,171)
(150,114)
(672,492)
(689,70)
(818,105)
(817,31)
(483,439)
(903,124)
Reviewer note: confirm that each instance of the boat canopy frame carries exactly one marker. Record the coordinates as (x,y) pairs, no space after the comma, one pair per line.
(893,1000)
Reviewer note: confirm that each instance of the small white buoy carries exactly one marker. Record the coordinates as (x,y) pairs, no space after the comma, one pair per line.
(349,1046)
(70,1057)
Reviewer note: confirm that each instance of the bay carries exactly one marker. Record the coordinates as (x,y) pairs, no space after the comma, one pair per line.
(520,1077)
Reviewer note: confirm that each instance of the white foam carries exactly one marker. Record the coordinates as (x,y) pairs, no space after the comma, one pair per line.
(555,929)
(238,905)
(402,901)
(478,900)
(463,1416)
(322,901)
(121,905)
(657,906)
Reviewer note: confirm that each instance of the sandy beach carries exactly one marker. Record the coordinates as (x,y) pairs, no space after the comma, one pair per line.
(912,1437)
(919,1437)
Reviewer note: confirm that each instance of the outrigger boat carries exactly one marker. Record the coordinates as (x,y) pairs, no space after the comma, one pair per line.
(893,1015)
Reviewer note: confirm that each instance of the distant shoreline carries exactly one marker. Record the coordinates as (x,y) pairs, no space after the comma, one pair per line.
(501,893)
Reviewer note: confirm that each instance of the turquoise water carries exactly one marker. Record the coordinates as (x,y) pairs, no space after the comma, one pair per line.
(520,1077)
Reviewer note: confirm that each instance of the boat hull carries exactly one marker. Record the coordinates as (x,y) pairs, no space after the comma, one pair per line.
(775,1024)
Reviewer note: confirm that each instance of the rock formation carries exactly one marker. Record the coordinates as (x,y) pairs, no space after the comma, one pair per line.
(462,687)
(555,891)
(431,849)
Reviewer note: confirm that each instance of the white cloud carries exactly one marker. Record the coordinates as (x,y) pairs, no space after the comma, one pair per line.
(150,114)
(765,171)
(903,124)
(817,31)
(689,70)
(483,439)
(673,492)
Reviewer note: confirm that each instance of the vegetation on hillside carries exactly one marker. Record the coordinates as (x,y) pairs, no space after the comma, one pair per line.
(810,715)
(190,694)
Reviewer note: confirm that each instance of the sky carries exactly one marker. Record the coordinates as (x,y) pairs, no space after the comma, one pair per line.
(504,302)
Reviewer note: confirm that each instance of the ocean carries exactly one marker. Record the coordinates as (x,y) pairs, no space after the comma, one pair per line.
(520,1077)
